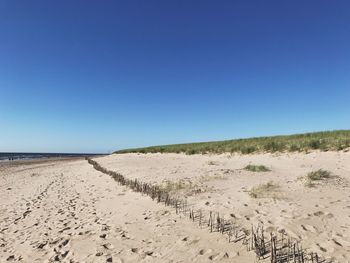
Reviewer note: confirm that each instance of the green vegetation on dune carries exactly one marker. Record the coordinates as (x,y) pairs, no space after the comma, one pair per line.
(318,175)
(270,189)
(256,168)
(324,141)
(315,176)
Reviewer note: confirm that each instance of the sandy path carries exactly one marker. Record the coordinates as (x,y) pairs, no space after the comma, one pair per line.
(69,212)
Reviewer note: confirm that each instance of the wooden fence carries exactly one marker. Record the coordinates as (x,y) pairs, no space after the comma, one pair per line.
(277,246)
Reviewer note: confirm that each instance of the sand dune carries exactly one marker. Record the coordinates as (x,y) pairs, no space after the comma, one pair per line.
(318,215)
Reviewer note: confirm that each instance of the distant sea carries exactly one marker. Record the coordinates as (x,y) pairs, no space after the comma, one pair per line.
(21,156)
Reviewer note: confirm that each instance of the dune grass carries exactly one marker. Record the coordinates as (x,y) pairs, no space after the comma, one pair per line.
(181,187)
(256,168)
(314,176)
(170,186)
(318,175)
(267,190)
(324,141)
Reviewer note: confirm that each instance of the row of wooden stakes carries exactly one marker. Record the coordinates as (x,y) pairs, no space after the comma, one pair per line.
(280,248)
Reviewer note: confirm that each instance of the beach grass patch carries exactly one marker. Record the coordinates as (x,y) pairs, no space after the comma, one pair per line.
(256,168)
(316,176)
(266,190)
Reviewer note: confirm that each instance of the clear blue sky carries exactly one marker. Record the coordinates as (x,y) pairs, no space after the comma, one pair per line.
(97,76)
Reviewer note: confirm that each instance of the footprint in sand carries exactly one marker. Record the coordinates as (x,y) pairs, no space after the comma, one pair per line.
(321,248)
(149,253)
(341,242)
(11,258)
(105,227)
(337,242)
(42,245)
(214,257)
(205,251)
(107,246)
(309,228)
(318,213)
(134,250)
(103,236)
(64,243)
(329,215)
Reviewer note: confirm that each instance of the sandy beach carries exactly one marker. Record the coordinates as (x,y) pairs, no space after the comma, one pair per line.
(175,131)
(317,215)
(66,211)
(69,212)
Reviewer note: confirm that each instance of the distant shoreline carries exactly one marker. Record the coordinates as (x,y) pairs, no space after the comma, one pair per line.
(16,156)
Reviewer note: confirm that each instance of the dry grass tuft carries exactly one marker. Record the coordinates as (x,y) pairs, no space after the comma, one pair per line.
(182,187)
(319,175)
(314,176)
(267,190)
(170,186)
(207,178)
(256,168)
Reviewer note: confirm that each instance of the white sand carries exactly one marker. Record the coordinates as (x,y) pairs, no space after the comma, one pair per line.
(320,215)
(65,211)
(69,212)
